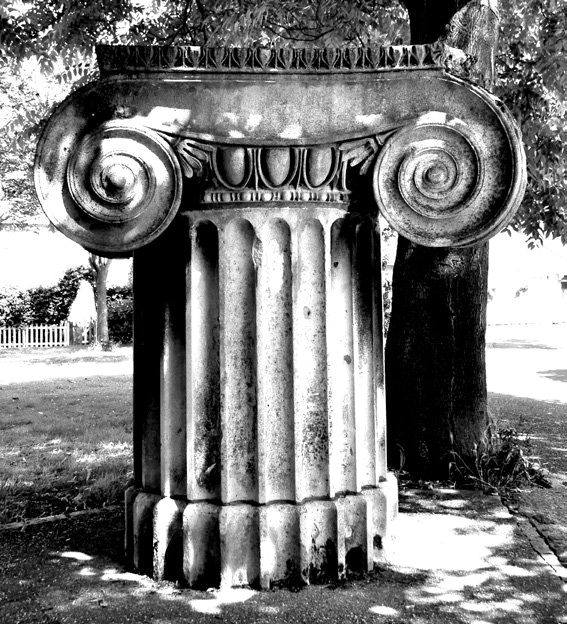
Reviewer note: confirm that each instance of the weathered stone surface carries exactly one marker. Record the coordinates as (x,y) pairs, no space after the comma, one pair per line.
(442,182)
(203,380)
(279,545)
(118,188)
(381,511)
(248,183)
(201,545)
(168,539)
(310,362)
(129,498)
(143,529)
(239,60)
(352,528)
(319,541)
(240,545)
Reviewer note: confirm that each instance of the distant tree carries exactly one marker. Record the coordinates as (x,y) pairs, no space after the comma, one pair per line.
(120,314)
(99,267)
(42,304)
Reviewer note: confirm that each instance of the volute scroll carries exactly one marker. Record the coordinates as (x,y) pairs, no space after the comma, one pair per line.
(441,183)
(115,190)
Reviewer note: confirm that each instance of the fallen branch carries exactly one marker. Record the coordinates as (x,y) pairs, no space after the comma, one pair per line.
(21,526)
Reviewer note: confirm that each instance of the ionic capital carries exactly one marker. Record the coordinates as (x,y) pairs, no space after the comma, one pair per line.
(122,156)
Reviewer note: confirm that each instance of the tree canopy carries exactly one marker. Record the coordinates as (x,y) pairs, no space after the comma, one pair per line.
(46,49)
(532,72)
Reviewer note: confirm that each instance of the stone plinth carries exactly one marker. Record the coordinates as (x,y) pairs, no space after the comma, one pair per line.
(247,185)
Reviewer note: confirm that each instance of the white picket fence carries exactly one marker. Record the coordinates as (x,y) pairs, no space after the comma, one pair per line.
(26,336)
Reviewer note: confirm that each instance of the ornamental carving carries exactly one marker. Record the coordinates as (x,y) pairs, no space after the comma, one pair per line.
(244,174)
(257,59)
(273,127)
(249,182)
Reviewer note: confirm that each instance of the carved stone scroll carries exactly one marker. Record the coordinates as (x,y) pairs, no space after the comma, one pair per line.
(441,183)
(119,189)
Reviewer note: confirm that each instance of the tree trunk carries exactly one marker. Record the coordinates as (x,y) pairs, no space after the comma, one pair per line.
(435,360)
(100,268)
(429,18)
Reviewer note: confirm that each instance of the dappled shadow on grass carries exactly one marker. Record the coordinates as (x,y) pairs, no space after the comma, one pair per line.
(64,355)
(95,357)
(456,569)
(66,445)
(21,366)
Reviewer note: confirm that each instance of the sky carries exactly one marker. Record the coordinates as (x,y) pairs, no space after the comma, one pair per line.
(41,257)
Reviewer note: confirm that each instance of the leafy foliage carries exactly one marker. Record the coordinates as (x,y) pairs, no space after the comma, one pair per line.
(49,304)
(47,49)
(120,314)
(502,463)
(532,69)
(246,22)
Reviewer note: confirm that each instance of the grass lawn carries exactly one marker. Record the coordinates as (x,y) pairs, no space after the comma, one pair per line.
(65,430)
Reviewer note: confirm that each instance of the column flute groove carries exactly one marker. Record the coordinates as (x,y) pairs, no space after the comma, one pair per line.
(201,532)
(239,518)
(363,329)
(340,362)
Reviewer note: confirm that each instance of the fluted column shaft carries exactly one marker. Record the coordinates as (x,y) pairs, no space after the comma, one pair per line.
(271,418)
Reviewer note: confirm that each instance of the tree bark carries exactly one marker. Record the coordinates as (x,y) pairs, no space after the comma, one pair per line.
(435,360)
(435,350)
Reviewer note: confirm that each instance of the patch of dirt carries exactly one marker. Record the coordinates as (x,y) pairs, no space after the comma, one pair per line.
(72,572)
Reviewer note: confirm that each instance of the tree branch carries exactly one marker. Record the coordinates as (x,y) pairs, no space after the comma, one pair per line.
(182,22)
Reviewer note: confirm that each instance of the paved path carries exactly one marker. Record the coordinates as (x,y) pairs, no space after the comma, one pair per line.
(527,382)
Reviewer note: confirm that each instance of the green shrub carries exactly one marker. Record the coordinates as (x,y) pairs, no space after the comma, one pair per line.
(51,305)
(120,314)
(14,307)
(43,304)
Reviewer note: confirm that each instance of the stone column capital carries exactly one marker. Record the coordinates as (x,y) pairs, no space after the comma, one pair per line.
(274,126)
